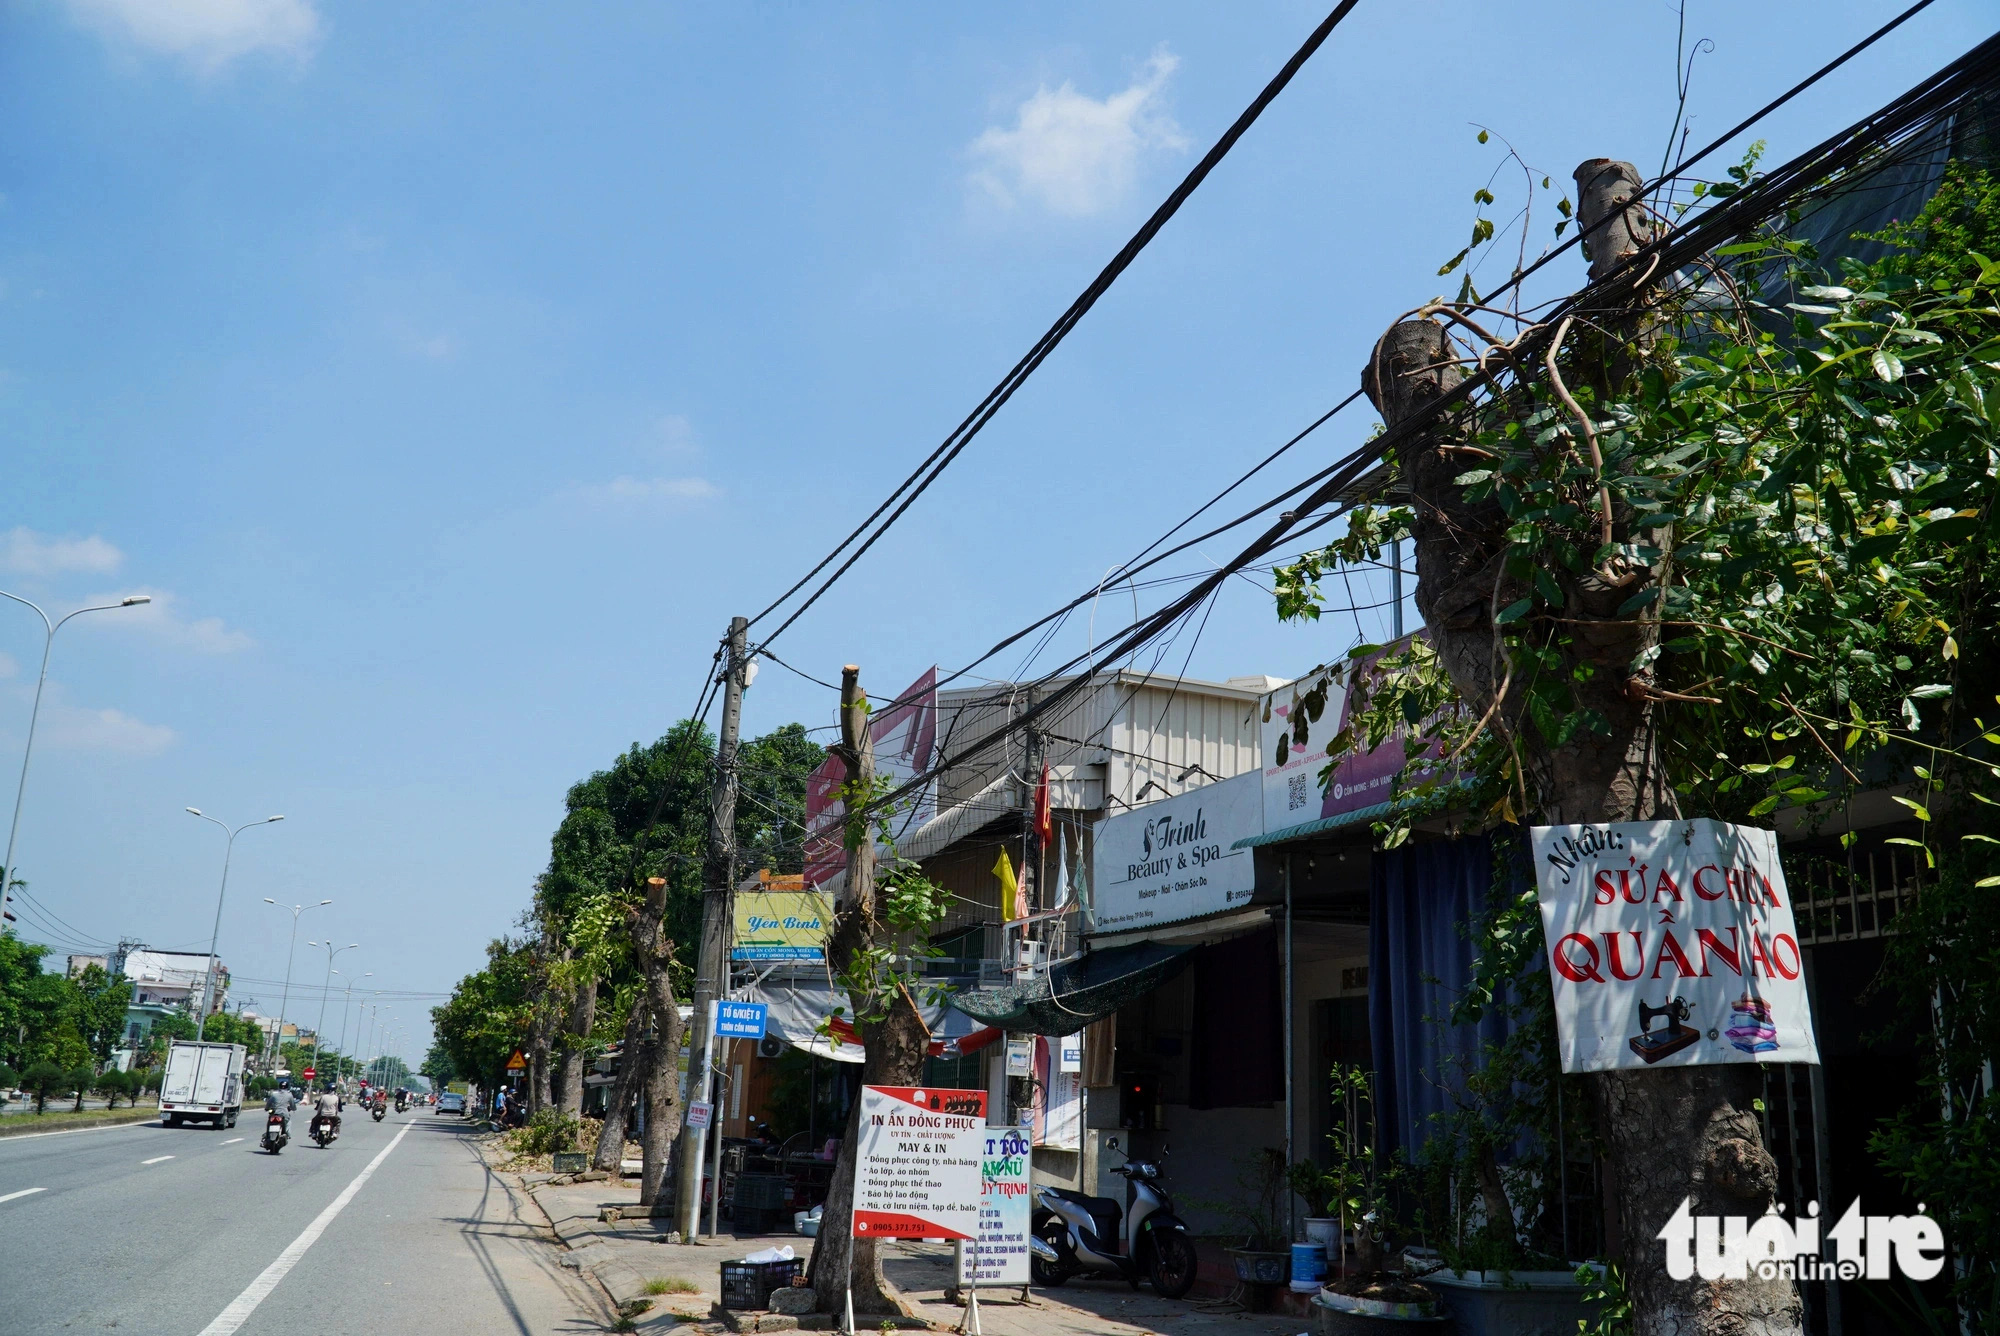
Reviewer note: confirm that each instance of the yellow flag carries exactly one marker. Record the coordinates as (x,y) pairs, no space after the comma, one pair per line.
(1010,889)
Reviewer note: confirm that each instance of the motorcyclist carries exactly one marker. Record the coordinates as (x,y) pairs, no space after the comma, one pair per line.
(273,1105)
(327,1106)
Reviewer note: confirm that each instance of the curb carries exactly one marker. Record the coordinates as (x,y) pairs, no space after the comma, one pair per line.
(590,1254)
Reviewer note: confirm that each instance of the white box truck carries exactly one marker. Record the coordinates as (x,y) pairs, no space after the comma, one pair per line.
(204,1082)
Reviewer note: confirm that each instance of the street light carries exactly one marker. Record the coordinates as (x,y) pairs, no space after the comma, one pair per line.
(7,877)
(344,1001)
(278,1034)
(319,1032)
(215,934)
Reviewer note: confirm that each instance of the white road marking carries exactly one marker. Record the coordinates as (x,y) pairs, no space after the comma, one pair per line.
(156,1159)
(24,1192)
(244,1304)
(77,1131)
(232,1141)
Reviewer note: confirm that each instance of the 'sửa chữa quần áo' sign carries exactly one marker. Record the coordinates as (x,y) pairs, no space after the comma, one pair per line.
(1671,944)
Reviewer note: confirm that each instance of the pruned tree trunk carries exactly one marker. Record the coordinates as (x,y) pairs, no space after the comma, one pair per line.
(652,1043)
(1668,1134)
(894,1045)
(577,1026)
(611,1137)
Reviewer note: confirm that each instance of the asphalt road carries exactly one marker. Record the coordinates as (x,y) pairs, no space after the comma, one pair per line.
(195,1232)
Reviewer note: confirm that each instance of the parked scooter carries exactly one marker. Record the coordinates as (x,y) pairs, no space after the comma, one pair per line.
(1142,1238)
(277,1131)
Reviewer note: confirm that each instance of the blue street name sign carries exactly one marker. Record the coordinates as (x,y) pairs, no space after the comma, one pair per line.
(740,1020)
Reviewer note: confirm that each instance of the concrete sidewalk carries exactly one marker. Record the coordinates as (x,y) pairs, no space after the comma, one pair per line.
(630,1256)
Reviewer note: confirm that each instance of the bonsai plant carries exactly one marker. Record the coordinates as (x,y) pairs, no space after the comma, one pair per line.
(1263,1211)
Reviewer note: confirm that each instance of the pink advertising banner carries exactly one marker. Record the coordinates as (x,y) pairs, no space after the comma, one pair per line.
(905,738)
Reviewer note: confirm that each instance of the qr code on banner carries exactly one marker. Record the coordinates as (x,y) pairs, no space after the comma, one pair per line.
(1295,793)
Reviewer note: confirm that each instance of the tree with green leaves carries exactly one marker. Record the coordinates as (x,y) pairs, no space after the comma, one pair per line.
(1725,547)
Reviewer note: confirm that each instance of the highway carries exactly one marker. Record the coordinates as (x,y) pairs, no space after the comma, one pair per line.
(196,1232)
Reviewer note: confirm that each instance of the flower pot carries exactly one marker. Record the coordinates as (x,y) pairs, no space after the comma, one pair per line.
(1512,1303)
(1323,1229)
(1336,1314)
(1262,1268)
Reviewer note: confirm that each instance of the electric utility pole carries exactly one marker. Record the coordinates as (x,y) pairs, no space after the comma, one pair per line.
(718,880)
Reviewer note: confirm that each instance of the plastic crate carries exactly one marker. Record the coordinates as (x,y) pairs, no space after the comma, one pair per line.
(749,1284)
(760,1191)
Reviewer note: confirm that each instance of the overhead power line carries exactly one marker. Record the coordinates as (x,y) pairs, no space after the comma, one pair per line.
(1764,197)
(919,481)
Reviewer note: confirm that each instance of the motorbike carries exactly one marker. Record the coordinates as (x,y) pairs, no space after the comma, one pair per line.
(322,1130)
(277,1131)
(402,1103)
(1140,1238)
(378,1110)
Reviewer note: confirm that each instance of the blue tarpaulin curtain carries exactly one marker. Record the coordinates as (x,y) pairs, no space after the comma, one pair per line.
(1424,903)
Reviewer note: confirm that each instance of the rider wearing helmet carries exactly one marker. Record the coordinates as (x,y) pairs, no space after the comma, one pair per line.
(327,1106)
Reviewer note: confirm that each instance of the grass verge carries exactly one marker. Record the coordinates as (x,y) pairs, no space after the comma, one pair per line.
(19,1124)
(672,1285)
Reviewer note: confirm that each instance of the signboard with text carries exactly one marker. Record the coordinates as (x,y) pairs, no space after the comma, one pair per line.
(780,925)
(1671,944)
(1173,859)
(1293,790)
(917,1170)
(740,1020)
(1000,1254)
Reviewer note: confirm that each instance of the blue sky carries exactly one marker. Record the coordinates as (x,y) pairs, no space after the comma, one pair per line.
(449,375)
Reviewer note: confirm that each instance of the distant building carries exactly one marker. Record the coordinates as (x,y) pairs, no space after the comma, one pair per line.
(173,978)
(78,964)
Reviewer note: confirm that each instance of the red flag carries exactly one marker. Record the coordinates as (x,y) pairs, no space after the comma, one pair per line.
(1044,819)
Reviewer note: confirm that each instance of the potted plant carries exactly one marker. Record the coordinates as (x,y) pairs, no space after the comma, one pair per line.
(1264,1258)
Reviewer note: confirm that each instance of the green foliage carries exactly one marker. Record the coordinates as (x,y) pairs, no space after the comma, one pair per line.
(1605,1287)
(487,1016)
(548,1131)
(43,1078)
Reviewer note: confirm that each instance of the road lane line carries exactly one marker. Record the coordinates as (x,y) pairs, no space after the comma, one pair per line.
(74,1131)
(232,1141)
(24,1192)
(155,1160)
(244,1304)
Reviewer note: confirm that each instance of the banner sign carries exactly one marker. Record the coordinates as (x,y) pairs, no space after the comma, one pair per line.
(905,738)
(740,1020)
(1293,794)
(1671,944)
(1172,859)
(781,925)
(917,1175)
(1000,1255)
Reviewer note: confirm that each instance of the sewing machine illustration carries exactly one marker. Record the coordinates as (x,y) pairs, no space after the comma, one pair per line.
(1651,1045)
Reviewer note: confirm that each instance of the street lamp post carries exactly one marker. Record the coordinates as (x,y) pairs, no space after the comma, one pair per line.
(7,877)
(278,1034)
(344,1003)
(319,1031)
(215,934)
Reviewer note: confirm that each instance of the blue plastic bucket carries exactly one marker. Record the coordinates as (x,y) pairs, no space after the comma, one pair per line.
(1308,1262)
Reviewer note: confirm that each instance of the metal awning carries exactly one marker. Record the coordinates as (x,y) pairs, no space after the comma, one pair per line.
(1307,829)
(1078,992)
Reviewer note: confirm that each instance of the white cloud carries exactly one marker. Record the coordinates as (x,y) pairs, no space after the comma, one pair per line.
(72,728)
(673,434)
(163,620)
(636,492)
(206,33)
(1075,155)
(25,552)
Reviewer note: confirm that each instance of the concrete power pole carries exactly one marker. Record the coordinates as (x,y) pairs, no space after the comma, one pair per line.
(717,915)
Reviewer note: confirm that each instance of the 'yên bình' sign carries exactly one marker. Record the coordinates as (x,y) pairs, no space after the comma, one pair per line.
(1671,944)
(917,1163)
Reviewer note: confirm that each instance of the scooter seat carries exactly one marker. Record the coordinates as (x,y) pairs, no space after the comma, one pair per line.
(1104,1210)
